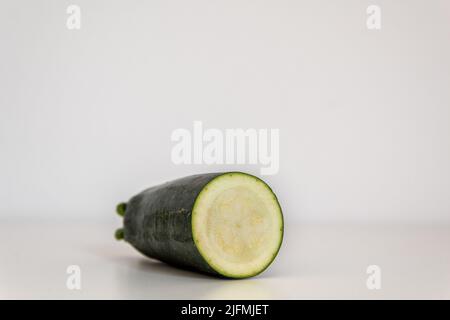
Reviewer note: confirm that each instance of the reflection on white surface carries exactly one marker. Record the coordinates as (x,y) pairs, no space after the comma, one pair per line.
(148,279)
(241,289)
(316,261)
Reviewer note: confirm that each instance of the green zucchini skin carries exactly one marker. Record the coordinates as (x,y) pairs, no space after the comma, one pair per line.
(157,222)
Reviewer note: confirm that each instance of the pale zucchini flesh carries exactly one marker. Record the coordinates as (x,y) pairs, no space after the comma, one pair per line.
(237,225)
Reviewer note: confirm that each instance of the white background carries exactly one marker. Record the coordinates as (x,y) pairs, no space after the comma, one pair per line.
(86,115)
(86,118)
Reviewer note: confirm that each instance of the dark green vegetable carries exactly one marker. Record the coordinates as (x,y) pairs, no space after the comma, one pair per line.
(227,224)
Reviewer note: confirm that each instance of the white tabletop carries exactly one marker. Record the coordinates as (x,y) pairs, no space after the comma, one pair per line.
(323,261)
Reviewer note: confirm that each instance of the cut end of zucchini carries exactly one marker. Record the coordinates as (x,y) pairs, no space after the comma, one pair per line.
(237,225)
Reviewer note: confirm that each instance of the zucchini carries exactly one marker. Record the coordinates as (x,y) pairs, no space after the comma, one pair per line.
(226,224)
